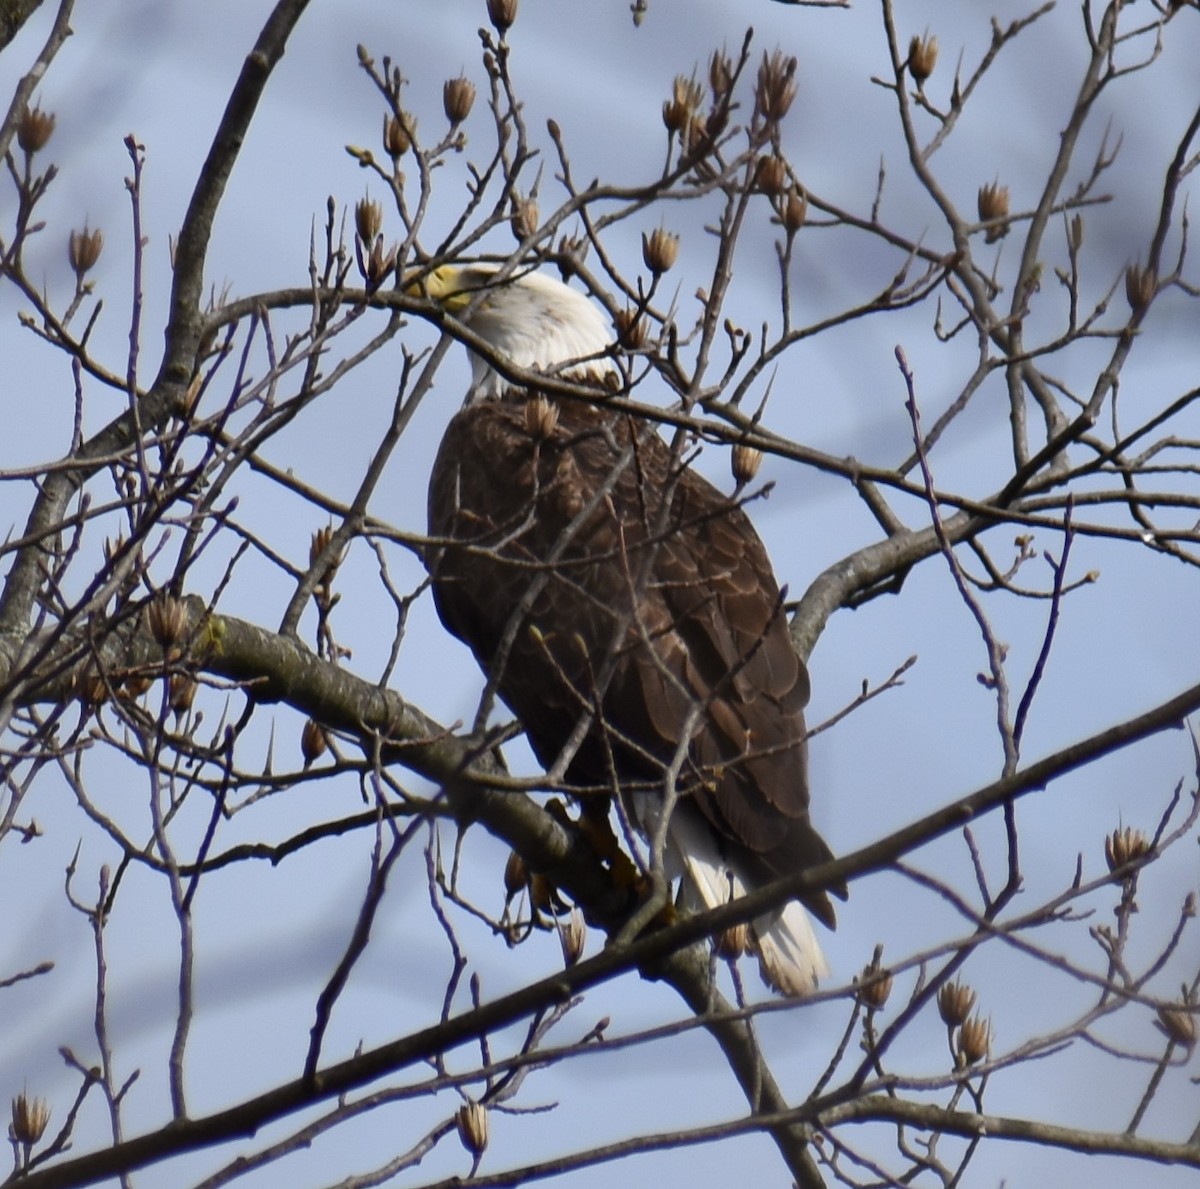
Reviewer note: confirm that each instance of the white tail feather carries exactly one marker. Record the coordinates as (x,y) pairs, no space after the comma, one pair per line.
(789,955)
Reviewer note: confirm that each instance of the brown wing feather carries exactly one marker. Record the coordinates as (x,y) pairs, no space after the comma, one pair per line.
(564,552)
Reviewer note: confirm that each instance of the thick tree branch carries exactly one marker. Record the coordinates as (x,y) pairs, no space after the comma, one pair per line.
(13,15)
(929,1117)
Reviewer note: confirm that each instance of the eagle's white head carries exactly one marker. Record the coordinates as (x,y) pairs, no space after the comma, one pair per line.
(536,322)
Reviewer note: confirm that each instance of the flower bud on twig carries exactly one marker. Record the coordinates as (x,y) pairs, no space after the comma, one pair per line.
(720,74)
(660,249)
(502,14)
(34,129)
(368,220)
(166,617)
(922,57)
(398,134)
(1076,231)
(1140,286)
(1178,1021)
(955,1001)
(733,942)
(974,1040)
(541,418)
(993,204)
(874,986)
(795,211)
(181,693)
(771,175)
(745,460)
(458,97)
(573,936)
(525,218)
(1124,845)
(83,250)
(472,1123)
(631,329)
(776,88)
(91,687)
(29,1119)
(313,742)
(681,108)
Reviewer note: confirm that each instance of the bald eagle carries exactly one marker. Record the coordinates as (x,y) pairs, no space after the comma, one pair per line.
(624,609)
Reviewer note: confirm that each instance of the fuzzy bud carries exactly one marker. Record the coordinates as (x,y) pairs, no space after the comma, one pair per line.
(458,97)
(715,124)
(399,132)
(572,252)
(681,108)
(1178,1021)
(181,693)
(776,88)
(732,943)
(993,204)
(631,329)
(136,684)
(1124,845)
(313,742)
(974,1040)
(471,1118)
(323,587)
(1076,231)
(955,1001)
(368,220)
(794,211)
(744,461)
(1140,286)
(375,262)
(502,14)
(167,619)
(525,218)
(720,74)
(660,249)
(91,687)
(83,250)
(697,139)
(29,1119)
(874,987)
(675,117)
(319,543)
(573,937)
(34,129)
(922,57)
(771,175)
(541,418)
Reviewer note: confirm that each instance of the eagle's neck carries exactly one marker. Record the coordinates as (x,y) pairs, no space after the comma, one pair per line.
(559,333)
(488,384)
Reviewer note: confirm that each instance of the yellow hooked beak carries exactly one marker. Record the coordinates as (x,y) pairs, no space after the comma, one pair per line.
(450,286)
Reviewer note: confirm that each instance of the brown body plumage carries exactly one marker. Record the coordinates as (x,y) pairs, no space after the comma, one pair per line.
(593,574)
